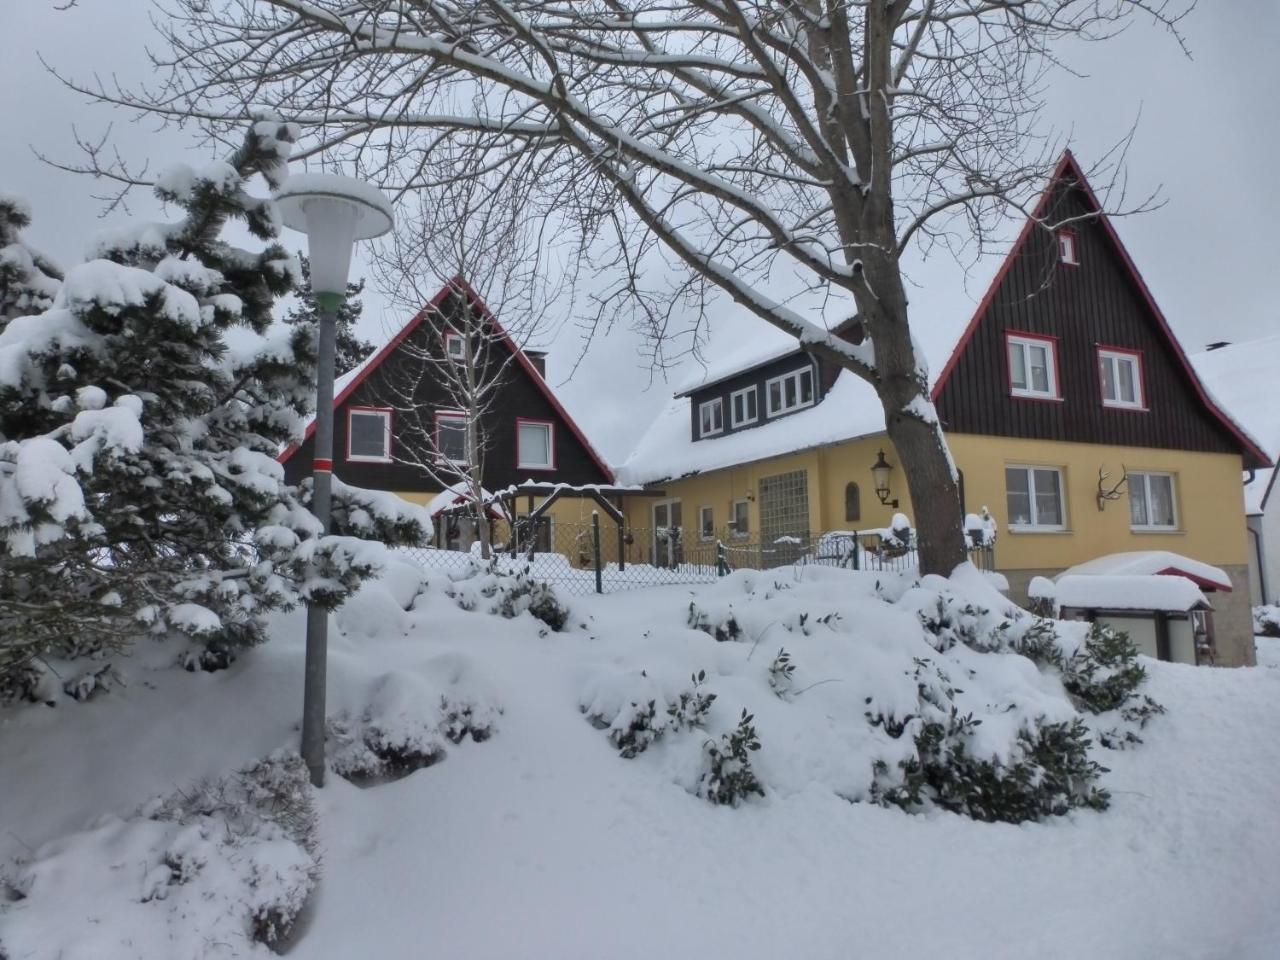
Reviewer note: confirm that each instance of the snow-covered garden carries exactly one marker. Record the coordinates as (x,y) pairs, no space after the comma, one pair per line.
(757,767)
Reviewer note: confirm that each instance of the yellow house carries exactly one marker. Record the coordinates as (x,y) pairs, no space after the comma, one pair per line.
(1070,409)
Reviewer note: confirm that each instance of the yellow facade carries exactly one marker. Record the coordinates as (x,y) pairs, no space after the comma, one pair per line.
(1210,513)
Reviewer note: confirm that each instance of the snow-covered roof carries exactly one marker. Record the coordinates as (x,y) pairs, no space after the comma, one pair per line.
(1242,377)
(1151,563)
(1132,592)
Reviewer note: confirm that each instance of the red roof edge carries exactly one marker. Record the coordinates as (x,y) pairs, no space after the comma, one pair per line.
(1068,165)
(1201,582)
(460,285)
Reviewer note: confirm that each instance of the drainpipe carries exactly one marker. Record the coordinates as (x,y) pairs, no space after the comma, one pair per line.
(1257,548)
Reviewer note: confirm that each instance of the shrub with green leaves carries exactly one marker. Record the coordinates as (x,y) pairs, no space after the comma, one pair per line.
(729,778)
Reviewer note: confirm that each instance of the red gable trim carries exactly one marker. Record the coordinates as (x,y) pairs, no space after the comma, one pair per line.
(1067,165)
(1200,582)
(461,286)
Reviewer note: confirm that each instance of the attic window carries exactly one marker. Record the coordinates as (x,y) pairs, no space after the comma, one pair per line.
(1067,247)
(369,434)
(455,346)
(1033,366)
(711,418)
(791,391)
(1120,373)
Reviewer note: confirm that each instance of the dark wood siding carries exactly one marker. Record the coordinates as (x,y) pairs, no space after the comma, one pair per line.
(519,397)
(824,376)
(1085,306)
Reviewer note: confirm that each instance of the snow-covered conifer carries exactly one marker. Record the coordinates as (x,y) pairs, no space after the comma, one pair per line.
(28,279)
(349,350)
(140,419)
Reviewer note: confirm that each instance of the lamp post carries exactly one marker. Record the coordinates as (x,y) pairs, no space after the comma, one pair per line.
(334,212)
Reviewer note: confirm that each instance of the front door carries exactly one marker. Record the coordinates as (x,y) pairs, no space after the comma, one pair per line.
(668,549)
(784,518)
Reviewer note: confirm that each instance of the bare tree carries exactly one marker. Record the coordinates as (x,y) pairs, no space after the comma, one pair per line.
(447,391)
(733,139)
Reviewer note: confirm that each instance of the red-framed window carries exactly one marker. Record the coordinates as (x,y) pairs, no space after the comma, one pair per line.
(1069,247)
(1121,382)
(451,437)
(535,444)
(1032,366)
(369,434)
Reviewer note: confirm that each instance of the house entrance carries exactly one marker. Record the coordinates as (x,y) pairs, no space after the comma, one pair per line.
(784,517)
(668,550)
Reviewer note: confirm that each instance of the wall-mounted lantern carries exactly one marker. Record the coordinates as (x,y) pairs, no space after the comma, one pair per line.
(880,471)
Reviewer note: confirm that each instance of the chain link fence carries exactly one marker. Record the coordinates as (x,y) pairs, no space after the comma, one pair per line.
(582,558)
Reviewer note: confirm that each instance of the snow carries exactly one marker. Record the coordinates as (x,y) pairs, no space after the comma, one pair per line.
(111,287)
(376,214)
(581,853)
(1131,592)
(1149,563)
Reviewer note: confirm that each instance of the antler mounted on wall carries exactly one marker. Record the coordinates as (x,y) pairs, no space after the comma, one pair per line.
(1112,493)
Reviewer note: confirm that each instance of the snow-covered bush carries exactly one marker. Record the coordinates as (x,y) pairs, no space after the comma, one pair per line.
(782,673)
(510,593)
(1042,597)
(721,624)
(980,530)
(228,861)
(1266,620)
(636,712)
(729,778)
(140,419)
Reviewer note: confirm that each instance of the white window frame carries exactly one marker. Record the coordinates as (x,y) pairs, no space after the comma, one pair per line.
(1034,526)
(706,513)
(466,438)
(705,407)
(781,379)
(385,414)
(733,518)
(450,338)
(1069,247)
(1025,342)
(1115,356)
(521,464)
(751,393)
(1146,476)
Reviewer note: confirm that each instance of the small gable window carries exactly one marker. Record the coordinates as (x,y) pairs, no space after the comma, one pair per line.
(1033,367)
(1120,374)
(711,418)
(791,391)
(1068,249)
(369,435)
(534,446)
(455,346)
(742,407)
(852,502)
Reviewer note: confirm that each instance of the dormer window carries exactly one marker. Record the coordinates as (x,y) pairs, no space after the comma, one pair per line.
(711,418)
(1068,251)
(742,407)
(791,391)
(455,347)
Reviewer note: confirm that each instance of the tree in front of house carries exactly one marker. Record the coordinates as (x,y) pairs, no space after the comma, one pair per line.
(28,280)
(349,350)
(688,152)
(140,418)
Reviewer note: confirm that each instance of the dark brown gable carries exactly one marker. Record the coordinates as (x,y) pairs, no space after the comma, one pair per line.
(1098,303)
(523,395)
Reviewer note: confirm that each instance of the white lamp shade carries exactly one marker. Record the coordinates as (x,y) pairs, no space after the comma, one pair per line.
(334,212)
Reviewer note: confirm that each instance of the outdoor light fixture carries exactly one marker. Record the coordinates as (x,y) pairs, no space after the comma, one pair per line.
(334,212)
(880,471)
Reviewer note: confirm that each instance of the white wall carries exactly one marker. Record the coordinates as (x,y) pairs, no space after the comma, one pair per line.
(1269,523)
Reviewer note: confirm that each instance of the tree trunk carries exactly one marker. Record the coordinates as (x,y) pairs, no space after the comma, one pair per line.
(935,493)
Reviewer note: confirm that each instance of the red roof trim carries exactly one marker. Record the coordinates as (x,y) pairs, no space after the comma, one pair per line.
(1068,165)
(460,285)
(1198,581)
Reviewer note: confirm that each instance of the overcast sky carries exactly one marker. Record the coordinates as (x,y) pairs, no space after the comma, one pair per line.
(1207,140)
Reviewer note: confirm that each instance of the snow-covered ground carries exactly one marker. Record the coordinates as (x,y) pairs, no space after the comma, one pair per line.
(542,841)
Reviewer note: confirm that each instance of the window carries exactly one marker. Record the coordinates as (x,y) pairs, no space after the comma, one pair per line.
(742,407)
(1067,247)
(791,391)
(740,524)
(1033,367)
(369,434)
(706,523)
(711,417)
(1151,502)
(1035,497)
(534,446)
(1120,372)
(455,346)
(451,437)
(852,502)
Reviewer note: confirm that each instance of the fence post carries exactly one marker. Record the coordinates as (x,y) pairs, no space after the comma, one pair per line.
(722,559)
(857,549)
(595,550)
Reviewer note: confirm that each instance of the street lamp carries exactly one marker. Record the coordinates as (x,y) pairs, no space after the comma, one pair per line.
(334,212)
(880,471)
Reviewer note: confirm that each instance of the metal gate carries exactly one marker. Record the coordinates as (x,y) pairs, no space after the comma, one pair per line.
(784,517)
